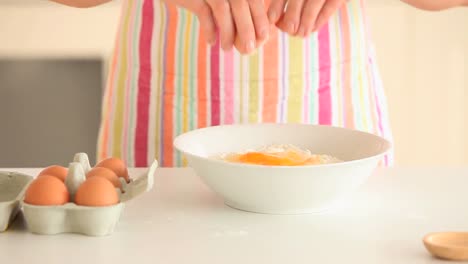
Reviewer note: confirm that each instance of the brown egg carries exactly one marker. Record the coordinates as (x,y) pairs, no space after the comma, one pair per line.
(47,190)
(117,166)
(105,173)
(96,191)
(56,171)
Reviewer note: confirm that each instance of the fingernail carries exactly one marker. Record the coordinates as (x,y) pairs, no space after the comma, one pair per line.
(272,16)
(249,46)
(226,47)
(264,33)
(211,41)
(291,28)
(301,32)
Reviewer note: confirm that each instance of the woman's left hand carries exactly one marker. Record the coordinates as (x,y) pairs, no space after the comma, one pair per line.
(302,17)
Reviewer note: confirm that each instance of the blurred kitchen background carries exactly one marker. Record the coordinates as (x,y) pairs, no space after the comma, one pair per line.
(53,69)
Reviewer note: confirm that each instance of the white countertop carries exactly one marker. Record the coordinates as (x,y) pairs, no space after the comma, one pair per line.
(182,221)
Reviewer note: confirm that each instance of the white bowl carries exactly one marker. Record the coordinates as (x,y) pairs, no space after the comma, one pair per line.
(282,189)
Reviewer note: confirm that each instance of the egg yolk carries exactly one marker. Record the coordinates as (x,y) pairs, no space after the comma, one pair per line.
(287,158)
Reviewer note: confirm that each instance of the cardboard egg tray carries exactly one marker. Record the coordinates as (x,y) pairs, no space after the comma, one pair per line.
(12,188)
(86,220)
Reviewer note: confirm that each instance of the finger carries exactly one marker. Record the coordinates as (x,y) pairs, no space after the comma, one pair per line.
(328,9)
(309,16)
(260,20)
(244,26)
(207,22)
(222,14)
(275,10)
(289,22)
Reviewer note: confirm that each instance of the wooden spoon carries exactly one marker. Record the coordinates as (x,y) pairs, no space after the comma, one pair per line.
(448,245)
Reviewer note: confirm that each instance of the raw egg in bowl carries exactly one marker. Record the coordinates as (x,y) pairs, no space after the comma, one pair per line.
(282,168)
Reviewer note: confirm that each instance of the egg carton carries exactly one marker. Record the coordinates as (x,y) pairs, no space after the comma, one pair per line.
(86,220)
(12,188)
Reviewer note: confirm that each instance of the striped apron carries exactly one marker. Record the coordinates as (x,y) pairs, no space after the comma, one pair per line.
(165,80)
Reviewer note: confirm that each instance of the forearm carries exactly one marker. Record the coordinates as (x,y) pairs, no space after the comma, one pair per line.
(435,5)
(81,3)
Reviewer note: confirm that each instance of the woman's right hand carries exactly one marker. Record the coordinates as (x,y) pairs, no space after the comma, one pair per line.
(240,23)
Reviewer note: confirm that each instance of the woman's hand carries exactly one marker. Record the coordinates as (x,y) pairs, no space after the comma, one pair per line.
(302,17)
(436,5)
(242,23)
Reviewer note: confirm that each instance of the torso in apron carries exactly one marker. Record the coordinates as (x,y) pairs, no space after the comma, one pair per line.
(165,80)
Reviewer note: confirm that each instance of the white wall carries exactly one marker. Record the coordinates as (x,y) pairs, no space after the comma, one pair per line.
(38,28)
(423,59)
